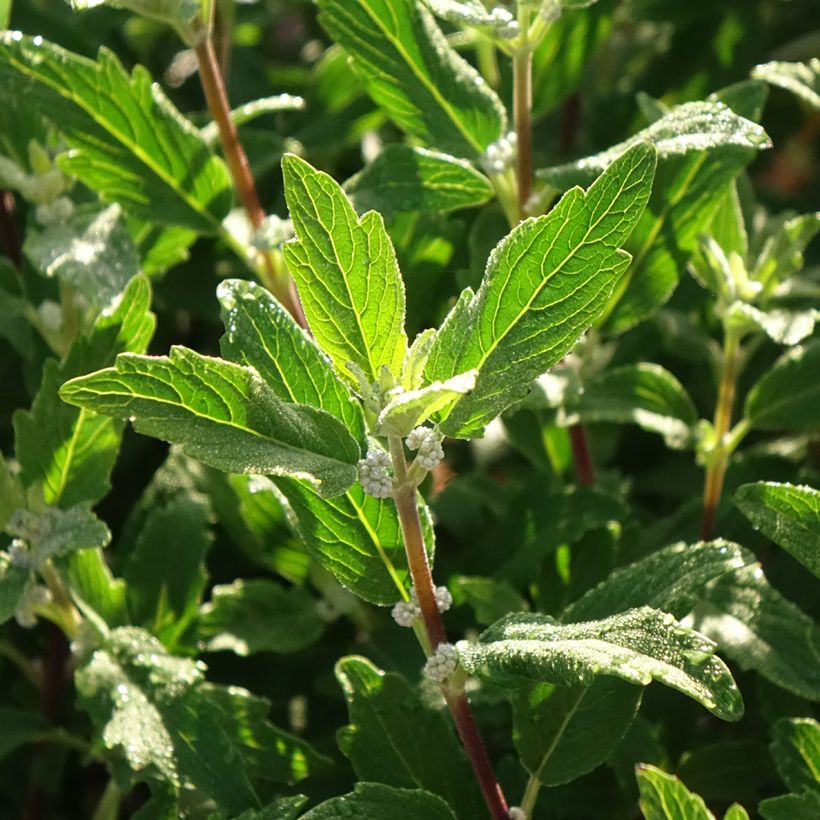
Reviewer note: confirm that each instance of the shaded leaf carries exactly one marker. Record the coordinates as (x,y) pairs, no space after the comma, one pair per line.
(13,581)
(377,802)
(664,797)
(795,748)
(805,806)
(490,598)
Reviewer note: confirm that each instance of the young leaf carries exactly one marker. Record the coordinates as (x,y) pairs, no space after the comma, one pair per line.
(377,802)
(638,646)
(802,79)
(394,739)
(786,327)
(422,84)
(356,537)
(72,451)
(257,615)
(490,599)
(694,126)
(688,190)
(664,797)
(795,748)
(787,514)
(128,142)
(788,395)
(56,532)
(165,602)
(223,414)
(563,732)
(260,333)
(782,253)
(13,581)
(406,179)
(409,409)
(544,285)
(347,274)
(94,586)
(805,806)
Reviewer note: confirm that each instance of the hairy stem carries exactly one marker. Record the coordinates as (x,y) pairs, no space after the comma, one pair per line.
(522,113)
(213,85)
(716,469)
(410,520)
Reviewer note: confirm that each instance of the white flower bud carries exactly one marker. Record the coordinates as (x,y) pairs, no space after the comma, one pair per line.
(442,663)
(428,444)
(444,600)
(373,474)
(405,612)
(517,814)
(35,596)
(53,213)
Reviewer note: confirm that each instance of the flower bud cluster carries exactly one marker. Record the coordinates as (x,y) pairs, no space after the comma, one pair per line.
(517,814)
(442,663)
(405,612)
(35,596)
(505,25)
(428,444)
(373,474)
(500,155)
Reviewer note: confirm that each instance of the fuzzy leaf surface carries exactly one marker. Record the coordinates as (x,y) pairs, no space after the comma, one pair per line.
(403,179)
(788,514)
(347,273)
(410,70)
(128,141)
(223,414)
(802,79)
(638,646)
(393,738)
(377,802)
(545,284)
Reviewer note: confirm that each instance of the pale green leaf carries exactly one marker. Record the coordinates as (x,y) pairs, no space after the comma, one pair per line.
(795,749)
(802,79)
(178,13)
(688,191)
(403,179)
(410,70)
(664,797)
(805,806)
(250,616)
(261,334)
(412,371)
(347,273)
(128,142)
(93,252)
(788,514)
(563,732)
(251,110)
(356,537)
(545,284)
(413,407)
(489,598)
(787,396)
(468,13)
(394,738)
(786,327)
(638,646)
(13,581)
(695,126)
(377,802)
(736,812)
(72,451)
(55,532)
(782,253)
(222,414)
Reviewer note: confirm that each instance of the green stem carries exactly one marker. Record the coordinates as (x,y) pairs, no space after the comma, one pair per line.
(109,806)
(719,461)
(522,114)
(62,612)
(405,498)
(15,656)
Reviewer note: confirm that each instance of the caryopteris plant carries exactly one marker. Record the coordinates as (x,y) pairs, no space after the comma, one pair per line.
(435,348)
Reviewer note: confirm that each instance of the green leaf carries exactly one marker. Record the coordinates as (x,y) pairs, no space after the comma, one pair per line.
(788,515)
(356,537)
(467,12)
(414,75)
(638,646)
(250,616)
(796,751)
(283,808)
(260,333)
(736,812)
(563,732)
(413,407)
(180,14)
(377,802)
(687,193)
(55,532)
(694,126)
(128,142)
(544,285)
(643,394)
(786,327)
(671,579)
(223,414)
(93,585)
(403,179)
(394,739)
(11,493)
(782,253)
(490,598)
(805,806)
(787,396)
(759,629)
(802,79)
(92,251)
(19,727)
(71,451)
(664,797)
(156,714)
(13,582)
(163,595)
(347,274)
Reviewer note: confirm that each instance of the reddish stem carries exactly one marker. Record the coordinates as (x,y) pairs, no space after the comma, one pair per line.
(581,456)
